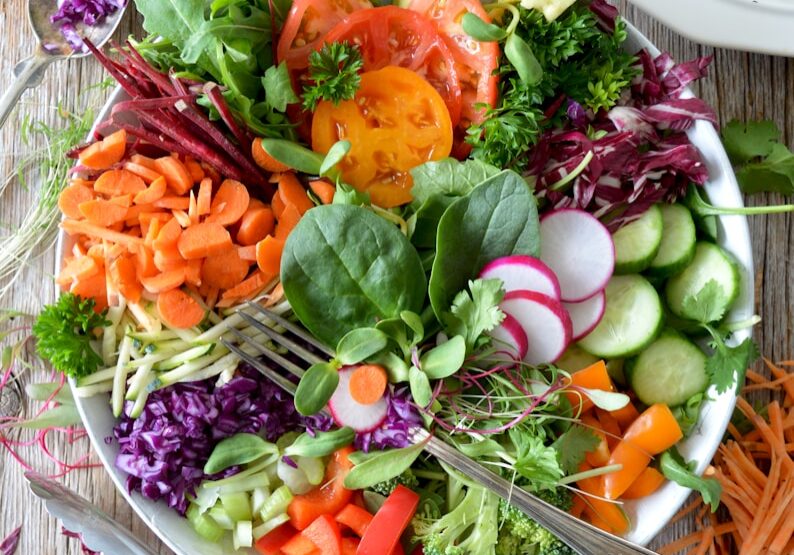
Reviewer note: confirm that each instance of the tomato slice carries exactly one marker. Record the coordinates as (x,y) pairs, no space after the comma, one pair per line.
(306,23)
(396,122)
(392,36)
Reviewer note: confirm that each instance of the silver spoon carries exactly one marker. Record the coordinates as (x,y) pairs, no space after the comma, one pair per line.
(51,47)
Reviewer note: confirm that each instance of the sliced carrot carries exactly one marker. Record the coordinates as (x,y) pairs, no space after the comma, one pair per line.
(277,205)
(368,383)
(268,255)
(94,287)
(225,270)
(173,203)
(203,240)
(78,268)
(102,212)
(182,217)
(175,173)
(114,183)
(194,169)
(247,253)
(122,200)
(256,224)
(168,258)
(646,483)
(169,234)
(164,281)
(105,153)
(144,161)
(146,219)
(324,190)
(247,289)
(230,203)
(292,192)
(154,192)
(145,266)
(594,376)
(178,309)
(204,200)
(193,271)
(192,210)
(147,174)
(287,222)
(72,197)
(265,160)
(84,182)
(123,274)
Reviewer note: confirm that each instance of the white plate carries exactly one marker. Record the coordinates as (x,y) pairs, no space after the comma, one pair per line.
(648,515)
(755,25)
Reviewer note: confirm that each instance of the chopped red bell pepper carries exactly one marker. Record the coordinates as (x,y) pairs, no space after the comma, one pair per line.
(324,533)
(383,533)
(271,543)
(326,499)
(349,546)
(300,545)
(355,518)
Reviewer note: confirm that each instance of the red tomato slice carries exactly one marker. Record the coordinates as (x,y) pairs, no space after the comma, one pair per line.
(307,22)
(392,36)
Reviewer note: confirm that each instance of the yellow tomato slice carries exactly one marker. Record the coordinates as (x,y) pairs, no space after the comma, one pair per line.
(396,122)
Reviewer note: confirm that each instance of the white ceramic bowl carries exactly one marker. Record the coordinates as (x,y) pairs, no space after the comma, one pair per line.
(648,515)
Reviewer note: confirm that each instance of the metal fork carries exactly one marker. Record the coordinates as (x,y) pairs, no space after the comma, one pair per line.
(581,536)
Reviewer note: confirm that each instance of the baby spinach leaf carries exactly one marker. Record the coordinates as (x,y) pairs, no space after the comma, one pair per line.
(449,178)
(498,218)
(360,344)
(345,268)
(445,359)
(316,388)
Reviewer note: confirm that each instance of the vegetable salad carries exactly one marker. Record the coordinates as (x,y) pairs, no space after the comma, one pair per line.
(490,213)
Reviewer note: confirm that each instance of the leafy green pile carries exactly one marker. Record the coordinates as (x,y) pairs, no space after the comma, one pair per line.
(334,71)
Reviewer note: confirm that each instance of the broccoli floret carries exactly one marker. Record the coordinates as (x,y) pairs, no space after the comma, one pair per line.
(470,528)
(520,535)
(406,479)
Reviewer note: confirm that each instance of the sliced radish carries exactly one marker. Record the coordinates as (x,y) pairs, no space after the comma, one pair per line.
(579,250)
(545,322)
(523,273)
(510,339)
(349,412)
(586,315)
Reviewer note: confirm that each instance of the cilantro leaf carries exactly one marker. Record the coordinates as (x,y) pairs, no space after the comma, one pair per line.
(534,460)
(573,445)
(334,70)
(708,304)
(727,362)
(64,331)
(278,87)
(775,173)
(676,469)
(476,311)
(745,141)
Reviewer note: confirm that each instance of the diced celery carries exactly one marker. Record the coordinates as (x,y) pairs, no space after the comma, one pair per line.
(221,517)
(204,526)
(247,484)
(243,534)
(258,498)
(270,525)
(237,505)
(276,504)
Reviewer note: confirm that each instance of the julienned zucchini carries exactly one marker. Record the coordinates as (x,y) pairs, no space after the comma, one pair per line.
(678,242)
(670,370)
(637,243)
(632,319)
(710,264)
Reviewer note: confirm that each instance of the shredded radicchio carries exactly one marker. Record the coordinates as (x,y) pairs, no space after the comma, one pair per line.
(640,151)
(165,449)
(88,12)
(10,542)
(401,416)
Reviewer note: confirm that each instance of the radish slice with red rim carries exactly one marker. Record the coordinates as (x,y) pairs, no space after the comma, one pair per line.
(510,339)
(545,322)
(349,412)
(586,315)
(523,273)
(579,250)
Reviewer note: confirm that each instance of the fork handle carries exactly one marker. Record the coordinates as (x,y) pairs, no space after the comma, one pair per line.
(27,73)
(579,535)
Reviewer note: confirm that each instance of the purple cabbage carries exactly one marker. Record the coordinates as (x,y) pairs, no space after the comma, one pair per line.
(10,543)
(400,418)
(164,450)
(70,13)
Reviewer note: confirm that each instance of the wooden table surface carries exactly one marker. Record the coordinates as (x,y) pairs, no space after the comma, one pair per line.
(740,85)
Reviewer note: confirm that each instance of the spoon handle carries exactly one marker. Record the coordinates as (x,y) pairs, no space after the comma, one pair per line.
(28,73)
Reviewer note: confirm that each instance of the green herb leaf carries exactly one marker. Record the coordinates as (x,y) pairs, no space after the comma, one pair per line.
(345,194)
(728,365)
(688,413)
(523,59)
(321,443)
(449,178)
(476,311)
(573,445)
(420,386)
(476,28)
(396,368)
(382,466)
(745,141)
(481,449)
(64,331)
(775,173)
(335,155)
(534,460)
(345,268)
(674,468)
(607,400)
(445,359)
(237,450)
(316,388)
(360,344)
(334,70)
(708,305)
(278,87)
(293,155)
(414,322)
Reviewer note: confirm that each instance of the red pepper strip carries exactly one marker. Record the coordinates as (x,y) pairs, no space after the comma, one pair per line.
(349,546)
(324,533)
(355,518)
(271,543)
(383,534)
(300,545)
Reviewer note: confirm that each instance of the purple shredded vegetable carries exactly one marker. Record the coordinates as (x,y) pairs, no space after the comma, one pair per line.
(606,14)
(87,12)
(164,450)
(400,417)
(11,542)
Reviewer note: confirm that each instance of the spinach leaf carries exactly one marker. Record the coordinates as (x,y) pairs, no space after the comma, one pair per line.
(498,218)
(448,178)
(345,268)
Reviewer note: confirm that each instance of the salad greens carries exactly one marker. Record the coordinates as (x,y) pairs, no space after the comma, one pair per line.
(763,162)
(334,70)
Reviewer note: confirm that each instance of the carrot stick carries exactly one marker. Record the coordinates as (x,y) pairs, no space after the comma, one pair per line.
(779,373)
(194,169)
(182,217)
(192,210)
(292,192)
(97,232)
(684,511)
(287,221)
(204,200)
(203,240)
(756,378)
(173,203)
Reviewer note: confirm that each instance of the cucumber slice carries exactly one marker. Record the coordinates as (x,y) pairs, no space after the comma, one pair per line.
(710,264)
(678,241)
(632,319)
(670,370)
(637,243)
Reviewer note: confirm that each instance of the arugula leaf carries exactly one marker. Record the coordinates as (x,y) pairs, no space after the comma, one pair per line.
(708,304)
(676,469)
(534,460)
(278,87)
(745,141)
(727,362)
(334,70)
(64,331)
(763,163)
(476,311)
(572,446)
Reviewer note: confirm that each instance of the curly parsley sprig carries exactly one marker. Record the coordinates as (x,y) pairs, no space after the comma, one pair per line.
(334,71)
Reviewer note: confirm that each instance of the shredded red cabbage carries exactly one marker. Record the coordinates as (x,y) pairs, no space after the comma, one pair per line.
(10,542)
(165,449)
(640,151)
(88,12)
(400,417)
